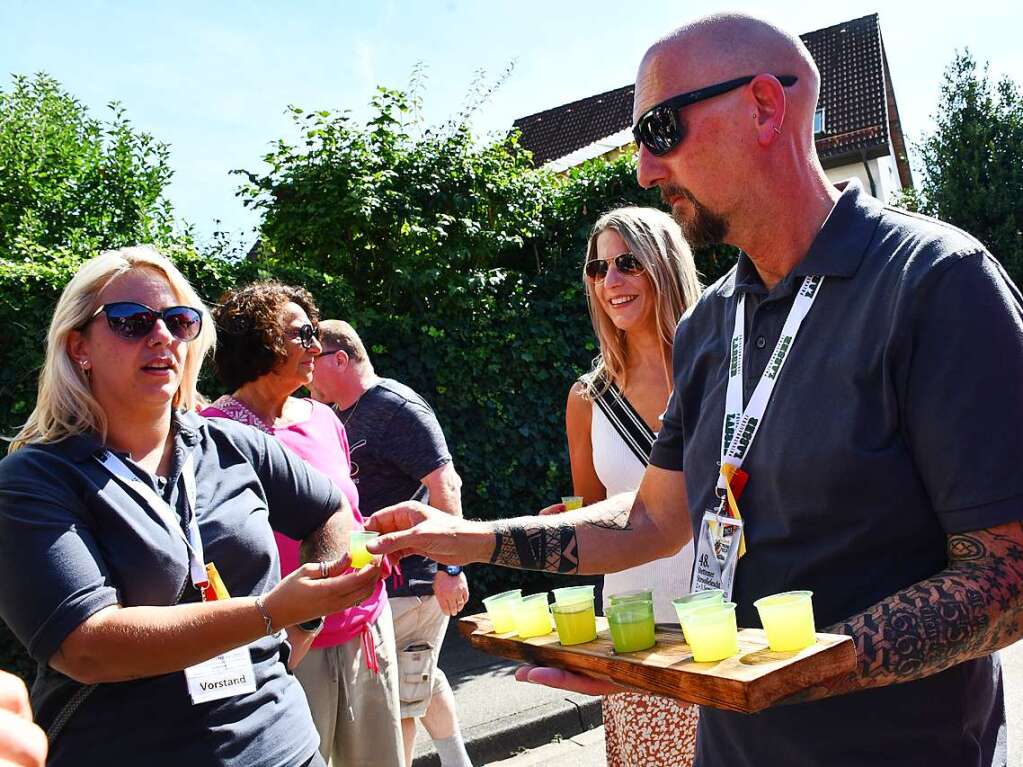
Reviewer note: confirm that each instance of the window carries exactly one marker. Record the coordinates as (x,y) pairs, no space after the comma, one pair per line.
(818,122)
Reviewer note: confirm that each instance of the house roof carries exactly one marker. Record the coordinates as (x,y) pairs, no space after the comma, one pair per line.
(850,57)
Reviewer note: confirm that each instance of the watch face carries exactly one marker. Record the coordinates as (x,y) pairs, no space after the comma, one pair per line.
(453,569)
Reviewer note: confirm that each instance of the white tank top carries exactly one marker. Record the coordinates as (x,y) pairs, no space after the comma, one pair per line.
(620,471)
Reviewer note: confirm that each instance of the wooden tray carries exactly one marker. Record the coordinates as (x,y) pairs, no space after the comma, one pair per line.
(748,682)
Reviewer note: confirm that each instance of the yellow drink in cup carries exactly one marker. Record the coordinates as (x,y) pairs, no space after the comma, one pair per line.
(694,601)
(572,502)
(357,548)
(632,626)
(711,632)
(788,620)
(576,623)
(532,616)
(570,595)
(501,610)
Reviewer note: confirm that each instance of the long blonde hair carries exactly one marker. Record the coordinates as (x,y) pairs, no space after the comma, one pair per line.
(65,405)
(656,240)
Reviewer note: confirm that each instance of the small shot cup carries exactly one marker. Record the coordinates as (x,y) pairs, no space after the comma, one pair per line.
(694,601)
(501,610)
(532,616)
(711,632)
(357,547)
(572,502)
(631,625)
(576,622)
(788,620)
(639,595)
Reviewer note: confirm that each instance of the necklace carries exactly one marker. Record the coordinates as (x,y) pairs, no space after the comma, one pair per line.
(347,418)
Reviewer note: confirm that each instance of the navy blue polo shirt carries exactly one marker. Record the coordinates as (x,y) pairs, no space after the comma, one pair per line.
(73,541)
(897,420)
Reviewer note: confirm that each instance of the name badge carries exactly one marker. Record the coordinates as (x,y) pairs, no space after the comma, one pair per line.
(717,553)
(221,677)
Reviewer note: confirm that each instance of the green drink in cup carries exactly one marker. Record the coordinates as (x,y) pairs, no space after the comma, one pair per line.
(639,595)
(632,626)
(357,548)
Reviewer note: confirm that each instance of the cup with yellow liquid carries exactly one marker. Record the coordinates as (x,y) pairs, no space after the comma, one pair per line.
(357,547)
(788,620)
(532,616)
(694,601)
(711,632)
(570,595)
(576,622)
(572,502)
(501,610)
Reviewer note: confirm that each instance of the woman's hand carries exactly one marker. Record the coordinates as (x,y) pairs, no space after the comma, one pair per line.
(22,742)
(557,508)
(320,588)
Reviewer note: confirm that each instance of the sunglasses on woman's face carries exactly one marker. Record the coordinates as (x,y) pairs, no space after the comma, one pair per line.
(626,264)
(660,130)
(306,335)
(132,321)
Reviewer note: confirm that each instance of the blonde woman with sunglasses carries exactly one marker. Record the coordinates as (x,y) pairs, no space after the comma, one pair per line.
(639,278)
(137,557)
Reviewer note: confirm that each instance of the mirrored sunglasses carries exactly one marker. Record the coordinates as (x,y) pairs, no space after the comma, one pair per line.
(626,263)
(132,321)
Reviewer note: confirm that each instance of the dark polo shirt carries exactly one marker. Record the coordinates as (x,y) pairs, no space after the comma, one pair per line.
(897,420)
(73,541)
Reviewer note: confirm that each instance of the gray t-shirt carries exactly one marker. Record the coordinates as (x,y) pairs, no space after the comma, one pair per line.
(896,421)
(73,541)
(395,441)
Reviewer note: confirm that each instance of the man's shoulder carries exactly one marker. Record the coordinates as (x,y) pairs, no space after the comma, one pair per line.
(922,243)
(398,393)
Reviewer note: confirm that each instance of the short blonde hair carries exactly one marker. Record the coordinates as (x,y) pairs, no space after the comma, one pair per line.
(654,238)
(340,335)
(65,405)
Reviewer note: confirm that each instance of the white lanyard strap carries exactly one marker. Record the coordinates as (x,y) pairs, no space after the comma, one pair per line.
(192,539)
(741,425)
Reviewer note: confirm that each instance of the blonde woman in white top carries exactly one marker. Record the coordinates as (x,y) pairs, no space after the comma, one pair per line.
(640,278)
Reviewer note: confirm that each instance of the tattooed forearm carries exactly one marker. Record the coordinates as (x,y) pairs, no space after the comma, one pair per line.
(540,543)
(970,609)
(616,519)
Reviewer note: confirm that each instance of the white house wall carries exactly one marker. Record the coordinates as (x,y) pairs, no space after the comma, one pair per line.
(883,169)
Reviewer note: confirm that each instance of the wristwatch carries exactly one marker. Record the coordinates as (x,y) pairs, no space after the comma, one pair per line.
(453,570)
(311,627)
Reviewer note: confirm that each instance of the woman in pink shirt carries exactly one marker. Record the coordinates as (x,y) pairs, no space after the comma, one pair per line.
(267,347)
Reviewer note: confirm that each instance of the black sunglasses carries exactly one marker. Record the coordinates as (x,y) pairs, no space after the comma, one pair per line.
(660,130)
(133,321)
(306,334)
(328,352)
(626,263)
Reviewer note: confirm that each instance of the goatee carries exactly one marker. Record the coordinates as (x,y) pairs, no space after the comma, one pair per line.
(703,227)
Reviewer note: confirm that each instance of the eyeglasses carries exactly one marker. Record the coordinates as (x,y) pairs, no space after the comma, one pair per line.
(132,321)
(328,352)
(305,335)
(660,130)
(626,263)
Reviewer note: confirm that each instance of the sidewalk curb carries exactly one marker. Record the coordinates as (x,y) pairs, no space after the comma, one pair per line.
(506,737)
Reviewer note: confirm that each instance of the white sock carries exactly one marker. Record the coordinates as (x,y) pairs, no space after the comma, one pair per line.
(452,751)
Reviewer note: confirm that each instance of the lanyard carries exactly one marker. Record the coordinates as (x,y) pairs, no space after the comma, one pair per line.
(192,539)
(741,425)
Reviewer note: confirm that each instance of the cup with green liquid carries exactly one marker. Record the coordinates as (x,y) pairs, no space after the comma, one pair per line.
(631,625)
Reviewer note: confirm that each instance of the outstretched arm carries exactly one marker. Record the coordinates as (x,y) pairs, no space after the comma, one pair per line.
(970,609)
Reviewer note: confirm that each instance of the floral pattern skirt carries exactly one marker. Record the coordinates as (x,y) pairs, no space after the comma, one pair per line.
(649,731)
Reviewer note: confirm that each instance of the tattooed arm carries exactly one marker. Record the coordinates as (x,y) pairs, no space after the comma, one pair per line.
(970,609)
(620,532)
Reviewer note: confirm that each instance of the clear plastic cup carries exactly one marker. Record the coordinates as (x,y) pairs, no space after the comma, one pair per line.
(357,547)
(788,620)
(570,595)
(501,610)
(711,632)
(576,623)
(631,625)
(532,616)
(640,595)
(694,601)
(572,502)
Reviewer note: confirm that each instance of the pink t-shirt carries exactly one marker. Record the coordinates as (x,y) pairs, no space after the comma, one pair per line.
(321,442)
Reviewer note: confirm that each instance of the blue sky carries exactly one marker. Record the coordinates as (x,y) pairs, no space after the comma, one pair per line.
(212,79)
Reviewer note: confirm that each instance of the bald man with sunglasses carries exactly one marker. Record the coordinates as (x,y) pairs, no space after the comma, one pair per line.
(860,368)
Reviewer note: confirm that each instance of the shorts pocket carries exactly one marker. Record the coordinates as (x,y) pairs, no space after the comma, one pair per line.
(415,669)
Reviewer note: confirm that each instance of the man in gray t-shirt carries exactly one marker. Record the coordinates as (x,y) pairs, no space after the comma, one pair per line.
(398,453)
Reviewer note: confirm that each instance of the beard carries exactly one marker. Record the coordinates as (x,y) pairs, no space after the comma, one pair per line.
(703,227)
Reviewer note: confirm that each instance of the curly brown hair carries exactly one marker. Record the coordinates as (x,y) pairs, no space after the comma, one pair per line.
(251,337)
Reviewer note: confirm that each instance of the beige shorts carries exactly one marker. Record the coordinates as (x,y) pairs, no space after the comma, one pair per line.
(419,626)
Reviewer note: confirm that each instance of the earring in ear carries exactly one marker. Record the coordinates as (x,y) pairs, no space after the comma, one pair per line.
(777,130)
(85,364)
(754,115)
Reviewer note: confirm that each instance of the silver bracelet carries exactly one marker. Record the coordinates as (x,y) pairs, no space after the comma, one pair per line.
(264,615)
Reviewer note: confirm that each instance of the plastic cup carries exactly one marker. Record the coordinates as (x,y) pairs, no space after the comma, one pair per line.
(576,623)
(632,626)
(357,548)
(532,616)
(571,595)
(500,609)
(694,601)
(788,620)
(640,595)
(711,632)
(572,502)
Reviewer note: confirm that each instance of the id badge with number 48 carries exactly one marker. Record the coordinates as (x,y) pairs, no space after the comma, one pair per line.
(717,553)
